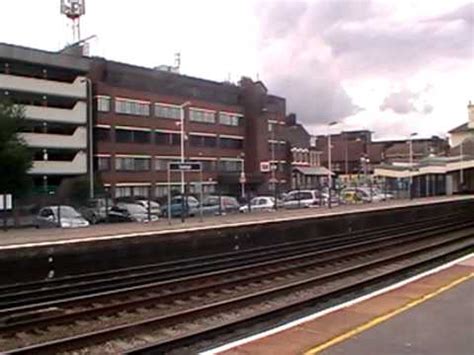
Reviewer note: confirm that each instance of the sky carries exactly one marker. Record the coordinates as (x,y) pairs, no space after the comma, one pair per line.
(392,67)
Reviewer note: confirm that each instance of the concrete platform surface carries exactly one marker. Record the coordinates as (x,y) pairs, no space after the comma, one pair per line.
(430,315)
(441,325)
(30,236)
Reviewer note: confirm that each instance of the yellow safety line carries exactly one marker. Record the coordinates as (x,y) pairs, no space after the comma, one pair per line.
(383,318)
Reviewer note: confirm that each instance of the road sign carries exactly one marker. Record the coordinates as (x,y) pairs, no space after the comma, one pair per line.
(187,166)
(242,178)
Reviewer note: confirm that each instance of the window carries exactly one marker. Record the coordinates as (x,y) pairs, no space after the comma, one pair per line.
(141,136)
(230,143)
(132,164)
(123,136)
(202,141)
(132,107)
(141,191)
(102,134)
(103,103)
(229,119)
(161,164)
(175,138)
(103,163)
(202,116)
(130,136)
(166,138)
(166,111)
(230,165)
(124,191)
(207,165)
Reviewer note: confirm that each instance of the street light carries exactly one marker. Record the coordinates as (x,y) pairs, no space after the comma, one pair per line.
(181,107)
(329,154)
(90,135)
(242,176)
(411,161)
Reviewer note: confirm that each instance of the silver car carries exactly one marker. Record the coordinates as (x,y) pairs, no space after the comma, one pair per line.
(60,216)
(261,203)
(302,199)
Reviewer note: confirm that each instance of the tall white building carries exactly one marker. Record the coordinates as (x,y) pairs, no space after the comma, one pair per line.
(53,89)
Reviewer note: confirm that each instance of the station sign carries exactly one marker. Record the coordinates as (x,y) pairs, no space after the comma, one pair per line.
(264,166)
(6,202)
(187,166)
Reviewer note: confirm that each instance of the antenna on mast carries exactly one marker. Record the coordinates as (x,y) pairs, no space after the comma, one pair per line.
(177,61)
(74,9)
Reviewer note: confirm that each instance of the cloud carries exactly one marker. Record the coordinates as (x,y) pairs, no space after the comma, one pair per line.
(400,102)
(309,49)
(405,101)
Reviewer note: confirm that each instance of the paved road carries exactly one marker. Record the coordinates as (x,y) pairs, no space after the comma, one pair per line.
(443,325)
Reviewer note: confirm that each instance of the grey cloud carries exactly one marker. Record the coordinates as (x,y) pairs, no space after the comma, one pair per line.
(321,100)
(404,102)
(427,109)
(309,48)
(400,102)
(376,47)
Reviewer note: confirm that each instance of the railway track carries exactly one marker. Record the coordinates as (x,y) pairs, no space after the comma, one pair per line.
(170,313)
(16,296)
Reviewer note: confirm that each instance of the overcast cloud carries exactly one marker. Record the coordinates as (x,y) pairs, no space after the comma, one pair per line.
(367,64)
(318,47)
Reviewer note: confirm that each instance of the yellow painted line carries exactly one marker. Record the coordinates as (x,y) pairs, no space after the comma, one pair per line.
(383,318)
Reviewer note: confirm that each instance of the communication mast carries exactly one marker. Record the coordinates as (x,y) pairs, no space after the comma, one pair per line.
(74,9)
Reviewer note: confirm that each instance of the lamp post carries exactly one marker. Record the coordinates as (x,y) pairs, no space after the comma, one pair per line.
(330,162)
(181,107)
(90,135)
(411,162)
(242,176)
(329,155)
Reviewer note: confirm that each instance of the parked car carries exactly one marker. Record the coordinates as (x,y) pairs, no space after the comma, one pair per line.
(334,198)
(261,203)
(155,207)
(210,205)
(190,204)
(95,210)
(364,194)
(130,212)
(302,199)
(60,216)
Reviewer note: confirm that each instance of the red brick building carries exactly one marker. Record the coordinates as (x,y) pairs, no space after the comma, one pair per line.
(233,130)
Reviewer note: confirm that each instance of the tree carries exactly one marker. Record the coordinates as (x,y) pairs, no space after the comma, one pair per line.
(15,157)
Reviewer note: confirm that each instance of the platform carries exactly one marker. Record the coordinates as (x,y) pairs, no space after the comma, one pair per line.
(432,313)
(31,237)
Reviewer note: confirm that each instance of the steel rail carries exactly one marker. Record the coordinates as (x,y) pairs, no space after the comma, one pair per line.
(292,264)
(126,330)
(190,263)
(70,290)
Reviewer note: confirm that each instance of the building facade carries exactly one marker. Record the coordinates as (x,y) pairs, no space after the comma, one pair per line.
(234,131)
(53,89)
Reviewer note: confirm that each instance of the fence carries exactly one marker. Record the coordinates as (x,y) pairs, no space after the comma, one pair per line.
(26,212)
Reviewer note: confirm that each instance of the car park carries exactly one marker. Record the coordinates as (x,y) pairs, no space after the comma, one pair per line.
(59,216)
(189,207)
(302,199)
(96,210)
(130,212)
(210,205)
(153,206)
(261,203)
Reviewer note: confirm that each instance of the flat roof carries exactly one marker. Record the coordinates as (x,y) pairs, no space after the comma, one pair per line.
(38,56)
